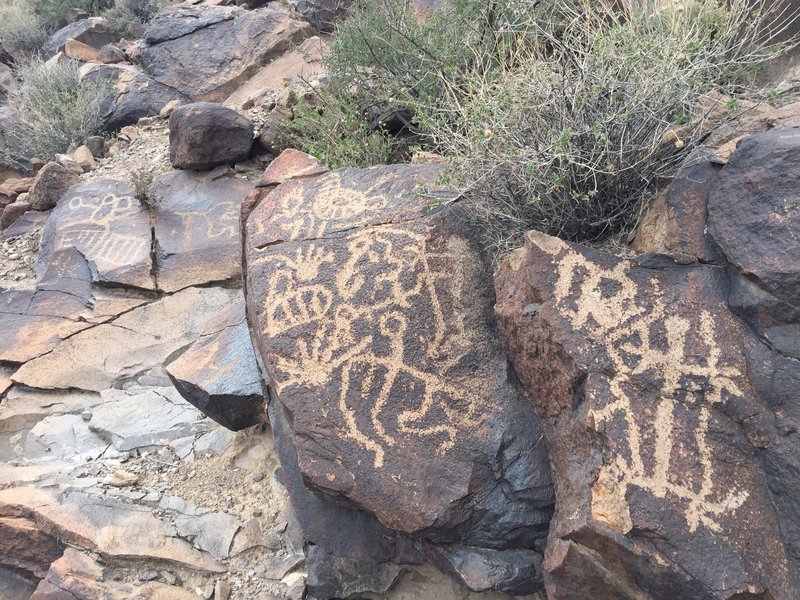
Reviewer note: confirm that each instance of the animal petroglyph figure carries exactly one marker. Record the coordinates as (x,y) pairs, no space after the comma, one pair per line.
(98,234)
(347,314)
(647,344)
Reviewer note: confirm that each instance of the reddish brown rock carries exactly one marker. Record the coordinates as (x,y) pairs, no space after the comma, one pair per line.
(94,32)
(23,546)
(275,82)
(291,164)
(219,375)
(372,315)
(676,223)
(49,185)
(78,576)
(82,52)
(203,135)
(35,322)
(207,52)
(672,456)
(12,212)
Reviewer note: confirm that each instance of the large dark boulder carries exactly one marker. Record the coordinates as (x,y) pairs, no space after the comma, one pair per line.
(667,390)
(206,52)
(371,312)
(131,94)
(203,135)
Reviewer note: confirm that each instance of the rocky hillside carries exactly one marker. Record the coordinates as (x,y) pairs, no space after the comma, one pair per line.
(228,371)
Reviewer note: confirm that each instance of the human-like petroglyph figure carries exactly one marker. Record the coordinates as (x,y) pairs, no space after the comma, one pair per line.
(331,296)
(652,346)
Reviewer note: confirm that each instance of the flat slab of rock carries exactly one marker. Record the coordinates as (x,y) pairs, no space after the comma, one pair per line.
(104,526)
(647,386)
(131,420)
(219,373)
(106,223)
(129,346)
(77,575)
(275,80)
(373,316)
(37,321)
(206,52)
(196,229)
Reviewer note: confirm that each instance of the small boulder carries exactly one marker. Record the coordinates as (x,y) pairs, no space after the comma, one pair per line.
(12,212)
(50,184)
(111,54)
(79,51)
(167,109)
(93,32)
(203,135)
(84,157)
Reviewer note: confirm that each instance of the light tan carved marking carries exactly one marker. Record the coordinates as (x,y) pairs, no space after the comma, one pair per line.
(358,319)
(691,364)
(98,234)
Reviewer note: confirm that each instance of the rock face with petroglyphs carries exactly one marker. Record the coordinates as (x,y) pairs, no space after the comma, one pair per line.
(669,411)
(371,311)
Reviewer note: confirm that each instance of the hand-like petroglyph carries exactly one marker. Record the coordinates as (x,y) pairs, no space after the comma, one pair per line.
(94,228)
(380,314)
(651,346)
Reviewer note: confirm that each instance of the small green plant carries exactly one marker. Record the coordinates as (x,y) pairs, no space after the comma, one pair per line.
(125,12)
(21,29)
(52,11)
(142,180)
(52,108)
(331,126)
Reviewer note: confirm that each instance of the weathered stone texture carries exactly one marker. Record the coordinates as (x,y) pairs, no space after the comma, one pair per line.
(373,318)
(207,52)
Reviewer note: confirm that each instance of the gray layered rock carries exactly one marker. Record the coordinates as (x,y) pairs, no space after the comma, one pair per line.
(206,52)
(131,95)
(219,373)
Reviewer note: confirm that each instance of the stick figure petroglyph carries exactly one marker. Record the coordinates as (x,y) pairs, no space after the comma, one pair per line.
(687,364)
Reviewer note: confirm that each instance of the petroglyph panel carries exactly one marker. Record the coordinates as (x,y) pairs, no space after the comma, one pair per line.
(197,229)
(344,200)
(665,375)
(107,225)
(346,309)
(372,314)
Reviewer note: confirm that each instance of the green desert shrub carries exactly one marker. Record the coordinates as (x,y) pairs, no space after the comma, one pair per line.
(21,28)
(125,12)
(558,115)
(52,11)
(52,108)
(583,122)
(331,125)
